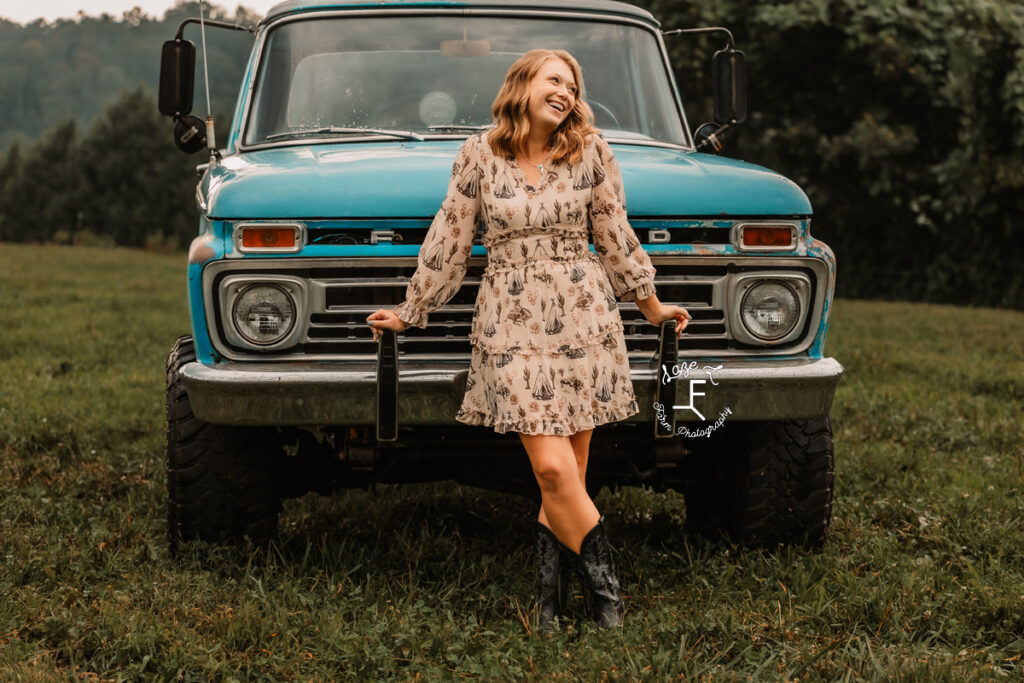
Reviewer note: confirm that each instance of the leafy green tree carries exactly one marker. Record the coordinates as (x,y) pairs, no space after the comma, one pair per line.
(141,186)
(42,198)
(902,119)
(10,172)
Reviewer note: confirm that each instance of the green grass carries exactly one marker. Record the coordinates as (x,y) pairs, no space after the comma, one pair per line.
(921,579)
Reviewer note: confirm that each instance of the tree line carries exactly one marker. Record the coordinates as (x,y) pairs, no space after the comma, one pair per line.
(903,120)
(74,68)
(88,159)
(119,181)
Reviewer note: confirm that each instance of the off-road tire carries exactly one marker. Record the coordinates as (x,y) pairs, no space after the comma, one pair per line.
(222,481)
(767,484)
(706,489)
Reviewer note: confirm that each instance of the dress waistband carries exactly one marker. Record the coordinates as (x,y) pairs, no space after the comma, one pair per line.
(526,249)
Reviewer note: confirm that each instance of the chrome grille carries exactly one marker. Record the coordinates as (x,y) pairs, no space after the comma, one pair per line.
(343,292)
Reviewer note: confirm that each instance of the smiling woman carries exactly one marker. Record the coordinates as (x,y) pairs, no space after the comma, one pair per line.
(549,358)
(548,100)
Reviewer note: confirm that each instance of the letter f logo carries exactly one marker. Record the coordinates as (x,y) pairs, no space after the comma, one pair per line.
(692,394)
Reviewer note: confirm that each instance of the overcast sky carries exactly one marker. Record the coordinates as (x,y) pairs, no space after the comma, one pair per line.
(24,11)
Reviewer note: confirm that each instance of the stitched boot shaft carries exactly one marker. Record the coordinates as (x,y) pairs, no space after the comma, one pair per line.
(597,571)
(553,572)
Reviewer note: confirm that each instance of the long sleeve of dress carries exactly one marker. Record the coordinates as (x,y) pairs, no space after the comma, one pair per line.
(628,266)
(444,254)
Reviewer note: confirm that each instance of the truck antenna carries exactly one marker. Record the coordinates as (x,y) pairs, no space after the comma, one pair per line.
(211,142)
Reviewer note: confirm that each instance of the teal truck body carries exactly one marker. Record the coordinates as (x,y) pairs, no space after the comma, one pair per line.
(348,121)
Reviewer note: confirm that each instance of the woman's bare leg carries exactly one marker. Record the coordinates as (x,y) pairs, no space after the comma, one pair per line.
(581,448)
(568,510)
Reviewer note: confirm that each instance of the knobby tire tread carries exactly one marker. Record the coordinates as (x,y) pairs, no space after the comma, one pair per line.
(765,484)
(221,480)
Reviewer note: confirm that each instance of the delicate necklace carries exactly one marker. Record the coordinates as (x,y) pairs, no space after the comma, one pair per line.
(540,166)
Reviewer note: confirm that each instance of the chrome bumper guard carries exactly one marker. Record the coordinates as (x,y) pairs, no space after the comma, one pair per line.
(422,393)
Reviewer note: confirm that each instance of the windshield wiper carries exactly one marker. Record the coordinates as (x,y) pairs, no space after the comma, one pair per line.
(456,126)
(338,130)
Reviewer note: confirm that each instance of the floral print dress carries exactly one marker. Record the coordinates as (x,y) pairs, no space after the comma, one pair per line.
(549,356)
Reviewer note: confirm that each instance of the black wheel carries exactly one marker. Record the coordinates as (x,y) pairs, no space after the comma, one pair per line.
(221,480)
(765,483)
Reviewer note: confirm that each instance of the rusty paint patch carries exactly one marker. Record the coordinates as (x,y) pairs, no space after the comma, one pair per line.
(826,254)
(201,251)
(698,250)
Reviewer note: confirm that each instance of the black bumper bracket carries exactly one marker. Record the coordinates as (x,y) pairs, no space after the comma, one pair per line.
(665,392)
(387,386)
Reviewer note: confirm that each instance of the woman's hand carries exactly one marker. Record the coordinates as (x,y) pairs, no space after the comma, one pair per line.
(383,319)
(657,313)
(667,312)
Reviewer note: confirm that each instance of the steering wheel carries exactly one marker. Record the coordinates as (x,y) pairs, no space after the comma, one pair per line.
(595,105)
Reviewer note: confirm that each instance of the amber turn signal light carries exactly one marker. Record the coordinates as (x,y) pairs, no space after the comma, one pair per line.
(268,238)
(768,236)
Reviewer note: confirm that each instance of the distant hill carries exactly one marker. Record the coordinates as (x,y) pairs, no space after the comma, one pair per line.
(76,66)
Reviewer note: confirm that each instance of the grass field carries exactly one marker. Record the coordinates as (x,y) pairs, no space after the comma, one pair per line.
(921,580)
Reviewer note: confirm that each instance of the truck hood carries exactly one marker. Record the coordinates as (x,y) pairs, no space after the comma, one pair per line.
(409,179)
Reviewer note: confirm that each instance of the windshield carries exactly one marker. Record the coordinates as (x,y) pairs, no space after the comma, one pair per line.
(437,75)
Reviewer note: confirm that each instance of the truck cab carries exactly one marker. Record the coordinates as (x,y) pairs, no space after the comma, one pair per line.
(312,214)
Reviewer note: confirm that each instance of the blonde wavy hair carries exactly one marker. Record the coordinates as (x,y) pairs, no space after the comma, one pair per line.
(511,115)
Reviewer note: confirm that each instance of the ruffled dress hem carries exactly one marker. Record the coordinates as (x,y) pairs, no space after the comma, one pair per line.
(565,427)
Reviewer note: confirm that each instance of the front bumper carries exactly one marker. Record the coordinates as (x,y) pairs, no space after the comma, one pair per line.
(282,394)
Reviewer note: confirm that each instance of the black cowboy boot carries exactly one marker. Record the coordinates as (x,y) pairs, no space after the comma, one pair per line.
(554,571)
(596,569)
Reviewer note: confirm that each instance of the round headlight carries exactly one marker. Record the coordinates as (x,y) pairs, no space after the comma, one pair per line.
(770,309)
(263,313)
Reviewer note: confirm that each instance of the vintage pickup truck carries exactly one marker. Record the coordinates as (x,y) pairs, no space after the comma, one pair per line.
(312,214)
